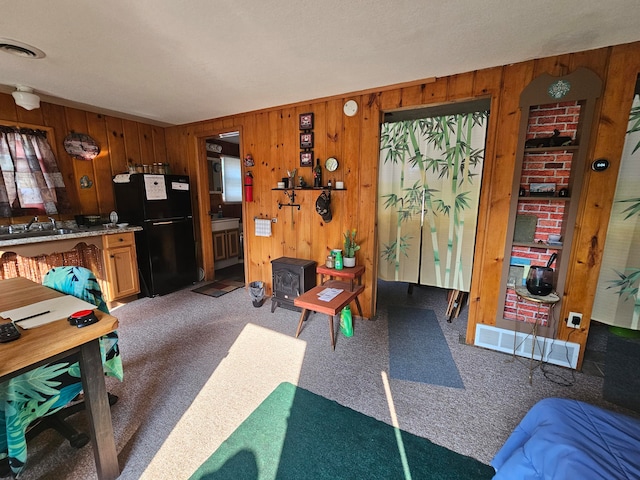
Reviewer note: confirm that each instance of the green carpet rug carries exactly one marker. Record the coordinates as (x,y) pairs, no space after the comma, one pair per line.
(296,434)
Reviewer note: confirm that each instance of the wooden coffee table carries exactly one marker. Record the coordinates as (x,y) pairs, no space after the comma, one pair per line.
(309,301)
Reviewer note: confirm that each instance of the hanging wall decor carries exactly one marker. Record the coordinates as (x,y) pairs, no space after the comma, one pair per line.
(306,121)
(81,146)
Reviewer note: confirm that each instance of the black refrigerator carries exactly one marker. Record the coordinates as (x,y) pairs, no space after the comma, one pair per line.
(161,205)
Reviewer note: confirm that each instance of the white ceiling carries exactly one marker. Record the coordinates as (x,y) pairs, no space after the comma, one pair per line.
(175,62)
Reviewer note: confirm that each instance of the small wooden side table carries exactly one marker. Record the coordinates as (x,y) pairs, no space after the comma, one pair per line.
(350,273)
(539,300)
(309,302)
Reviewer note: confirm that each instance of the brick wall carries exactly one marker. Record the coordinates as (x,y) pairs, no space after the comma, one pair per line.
(543,167)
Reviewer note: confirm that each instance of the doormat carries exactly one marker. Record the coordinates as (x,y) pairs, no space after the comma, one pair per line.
(296,434)
(418,351)
(219,288)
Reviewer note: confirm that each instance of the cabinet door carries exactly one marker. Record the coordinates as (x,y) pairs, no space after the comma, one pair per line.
(219,245)
(232,244)
(121,272)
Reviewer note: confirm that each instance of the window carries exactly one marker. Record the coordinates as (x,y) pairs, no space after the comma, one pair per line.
(30,180)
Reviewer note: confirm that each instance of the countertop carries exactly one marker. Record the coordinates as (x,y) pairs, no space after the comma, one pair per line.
(81,232)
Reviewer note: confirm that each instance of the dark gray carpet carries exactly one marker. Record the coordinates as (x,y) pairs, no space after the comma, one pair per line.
(177,347)
(621,380)
(418,350)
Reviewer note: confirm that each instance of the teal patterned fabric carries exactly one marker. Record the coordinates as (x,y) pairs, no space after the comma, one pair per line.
(47,389)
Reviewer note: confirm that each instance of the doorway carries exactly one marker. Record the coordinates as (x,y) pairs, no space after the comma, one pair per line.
(430,171)
(224,174)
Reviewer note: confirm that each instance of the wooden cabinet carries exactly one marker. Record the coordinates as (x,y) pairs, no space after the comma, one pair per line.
(547,183)
(120,263)
(226,248)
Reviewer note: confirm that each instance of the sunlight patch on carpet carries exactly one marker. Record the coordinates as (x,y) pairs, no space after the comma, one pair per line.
(257,362)
(418,350)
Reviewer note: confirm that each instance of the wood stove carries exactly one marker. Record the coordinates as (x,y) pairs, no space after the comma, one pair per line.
(291,277)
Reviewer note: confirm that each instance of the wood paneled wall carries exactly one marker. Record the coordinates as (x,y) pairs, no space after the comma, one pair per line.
(271,136)
(121,141)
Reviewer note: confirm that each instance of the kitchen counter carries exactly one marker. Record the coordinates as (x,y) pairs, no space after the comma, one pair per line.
(224,223)
(109,252)
(75,233)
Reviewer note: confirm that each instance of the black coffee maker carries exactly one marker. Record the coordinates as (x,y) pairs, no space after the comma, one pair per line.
(540,279)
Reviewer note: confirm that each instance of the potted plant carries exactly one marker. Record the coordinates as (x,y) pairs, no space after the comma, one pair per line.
(350,248)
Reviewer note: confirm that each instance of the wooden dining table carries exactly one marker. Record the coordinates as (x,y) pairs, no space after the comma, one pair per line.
(54,341)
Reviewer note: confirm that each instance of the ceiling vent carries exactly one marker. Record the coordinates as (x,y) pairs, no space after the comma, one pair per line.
(20,49)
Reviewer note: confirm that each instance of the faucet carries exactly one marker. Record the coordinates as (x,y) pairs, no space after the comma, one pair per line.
(31,222)
(53,222)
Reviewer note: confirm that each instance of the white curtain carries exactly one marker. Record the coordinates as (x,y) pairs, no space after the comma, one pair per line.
(429,187)
(617,301)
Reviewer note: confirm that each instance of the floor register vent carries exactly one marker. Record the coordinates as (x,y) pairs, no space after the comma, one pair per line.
(557,352)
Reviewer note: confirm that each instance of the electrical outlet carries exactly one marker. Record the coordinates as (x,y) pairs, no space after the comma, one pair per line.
(574,320)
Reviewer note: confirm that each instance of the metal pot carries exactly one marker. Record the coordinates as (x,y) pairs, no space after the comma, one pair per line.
(540,279)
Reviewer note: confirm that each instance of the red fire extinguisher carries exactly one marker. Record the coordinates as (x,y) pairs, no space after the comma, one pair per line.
(248,187)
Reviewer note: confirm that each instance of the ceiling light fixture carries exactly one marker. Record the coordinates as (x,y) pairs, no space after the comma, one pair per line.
(229,135)
(25,98)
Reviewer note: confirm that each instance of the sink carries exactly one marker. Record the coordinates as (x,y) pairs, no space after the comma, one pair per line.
(36,233)
(225,223)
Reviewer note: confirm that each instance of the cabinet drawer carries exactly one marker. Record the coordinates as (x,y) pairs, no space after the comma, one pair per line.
(118,240)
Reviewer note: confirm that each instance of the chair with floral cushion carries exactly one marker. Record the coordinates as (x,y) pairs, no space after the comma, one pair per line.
(45,396)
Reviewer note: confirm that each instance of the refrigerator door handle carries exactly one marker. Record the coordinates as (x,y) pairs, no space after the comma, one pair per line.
(163,223)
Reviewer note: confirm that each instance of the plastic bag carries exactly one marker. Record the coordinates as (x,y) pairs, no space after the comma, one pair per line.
(256,290)
(346,322)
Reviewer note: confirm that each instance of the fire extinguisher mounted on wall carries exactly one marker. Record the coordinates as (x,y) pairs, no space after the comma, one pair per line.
(248,187)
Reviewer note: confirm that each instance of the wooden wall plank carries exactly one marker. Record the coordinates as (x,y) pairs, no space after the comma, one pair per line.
(460,86)
(599,187)
(115,142)
(77,122)
(147,152)
(497,181)
(435,92)
(132,141)
(102,168)
(54,117)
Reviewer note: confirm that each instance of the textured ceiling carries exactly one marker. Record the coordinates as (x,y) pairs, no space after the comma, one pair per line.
(175,62)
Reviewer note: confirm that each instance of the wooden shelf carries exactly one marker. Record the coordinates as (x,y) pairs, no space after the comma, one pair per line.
(560,213)
(537,245)
(567,148)
(537,198)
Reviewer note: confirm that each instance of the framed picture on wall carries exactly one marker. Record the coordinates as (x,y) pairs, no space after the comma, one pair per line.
(306,121)
(306,159)
(306,140)
(542,189)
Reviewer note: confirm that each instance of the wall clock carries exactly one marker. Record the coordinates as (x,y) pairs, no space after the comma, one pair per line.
(331,164)
(350,108)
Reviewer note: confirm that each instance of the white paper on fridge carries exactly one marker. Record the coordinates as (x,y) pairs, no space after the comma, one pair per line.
(154,187)
(57,308)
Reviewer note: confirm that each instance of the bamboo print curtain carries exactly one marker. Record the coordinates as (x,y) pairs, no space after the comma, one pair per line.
(429,187)
(617,302)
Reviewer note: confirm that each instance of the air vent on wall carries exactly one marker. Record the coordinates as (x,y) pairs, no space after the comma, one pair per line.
(556,351)
(20,49)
